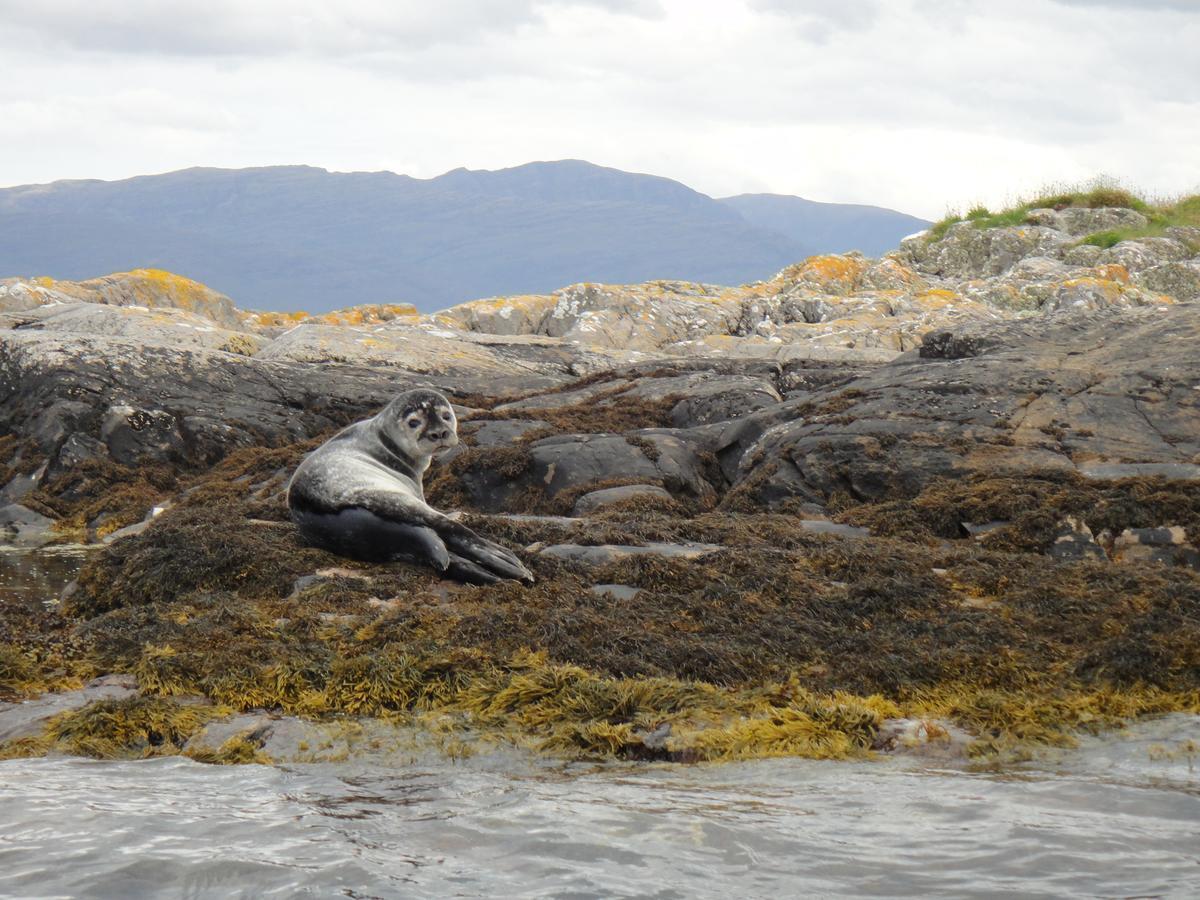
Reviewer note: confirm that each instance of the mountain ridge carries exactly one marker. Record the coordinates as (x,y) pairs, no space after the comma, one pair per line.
(288,237)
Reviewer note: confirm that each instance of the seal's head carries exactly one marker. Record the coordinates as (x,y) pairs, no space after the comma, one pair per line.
(421,423)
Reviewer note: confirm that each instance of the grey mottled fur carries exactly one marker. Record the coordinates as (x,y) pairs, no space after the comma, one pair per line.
(364,486)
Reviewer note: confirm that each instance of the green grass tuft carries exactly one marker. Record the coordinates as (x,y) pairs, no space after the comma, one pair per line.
(1098,194)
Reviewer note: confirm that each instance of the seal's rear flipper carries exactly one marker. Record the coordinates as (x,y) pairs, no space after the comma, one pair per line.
(492,557)
(465,570)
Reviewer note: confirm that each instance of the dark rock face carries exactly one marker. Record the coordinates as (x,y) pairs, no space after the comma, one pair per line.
(1065,391)
(74,398)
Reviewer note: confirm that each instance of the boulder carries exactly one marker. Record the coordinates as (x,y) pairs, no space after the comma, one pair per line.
(595,500)
(1072,389)
(27,719)
(606,554)
(149,288)
(165,327)
(21,527)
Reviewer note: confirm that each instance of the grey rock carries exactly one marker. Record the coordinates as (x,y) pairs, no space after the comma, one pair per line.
(499,432)
(823,526)
(23,527)
(981,530)
(1115,385)
(254,727)
(721,399)
(1145,253)
(27,719)
(21,485)
(595,500)
(1075,540)
(1078,222)
(615,591)
(1180,280)
(128,531)
(1115,471)
(569,461)
(603,554)
(1168,546)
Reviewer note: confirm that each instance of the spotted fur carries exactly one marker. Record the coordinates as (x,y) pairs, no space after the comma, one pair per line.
(361,494)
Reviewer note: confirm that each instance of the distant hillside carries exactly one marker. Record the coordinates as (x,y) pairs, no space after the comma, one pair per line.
(296,237)
(831,227)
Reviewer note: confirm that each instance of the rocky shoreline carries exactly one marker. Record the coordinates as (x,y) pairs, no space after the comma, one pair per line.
(948,499)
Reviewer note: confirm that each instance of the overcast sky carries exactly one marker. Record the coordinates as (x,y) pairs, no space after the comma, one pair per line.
(921,105)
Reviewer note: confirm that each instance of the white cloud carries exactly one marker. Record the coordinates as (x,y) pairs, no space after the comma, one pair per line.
(916,104)
(269,27)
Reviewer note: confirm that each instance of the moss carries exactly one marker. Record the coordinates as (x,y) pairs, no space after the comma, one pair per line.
(1103,239)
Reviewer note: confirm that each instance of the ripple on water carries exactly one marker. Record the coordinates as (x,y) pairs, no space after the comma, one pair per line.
(509,827)
(35,577)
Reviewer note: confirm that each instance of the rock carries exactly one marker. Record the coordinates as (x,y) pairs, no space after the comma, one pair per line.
(252,727)
(1075,540)
(21,485)
(1114,471)
(23,527)
(27,719)
(1168,546)
(604,554)
(929,738)
(1078,222)
(567,462)
(1145,253)
(823,526)
(128,531)
(1180,280)
(595,500)
(615,591)
(525,314)
(1116,384)
(161,327)
(981,530)
(499,432)
(150,288)
(721,398)
(426,350)
(967,251)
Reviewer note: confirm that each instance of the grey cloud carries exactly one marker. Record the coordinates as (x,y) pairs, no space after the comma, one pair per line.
(278,27)
(1137,5)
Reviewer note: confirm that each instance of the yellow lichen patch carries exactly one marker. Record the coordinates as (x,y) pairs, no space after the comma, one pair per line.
(832,272)
(368,314)
(1113,272)
(1108,291)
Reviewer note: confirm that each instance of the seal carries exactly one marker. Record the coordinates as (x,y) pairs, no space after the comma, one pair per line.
(360,494)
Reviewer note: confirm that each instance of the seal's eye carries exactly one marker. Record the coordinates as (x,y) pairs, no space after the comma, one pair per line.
(414,423)
(445,417)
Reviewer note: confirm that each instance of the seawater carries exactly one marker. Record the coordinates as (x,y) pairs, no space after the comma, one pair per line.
(1118,817)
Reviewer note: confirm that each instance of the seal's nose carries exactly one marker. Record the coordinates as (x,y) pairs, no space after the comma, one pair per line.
(439,435)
